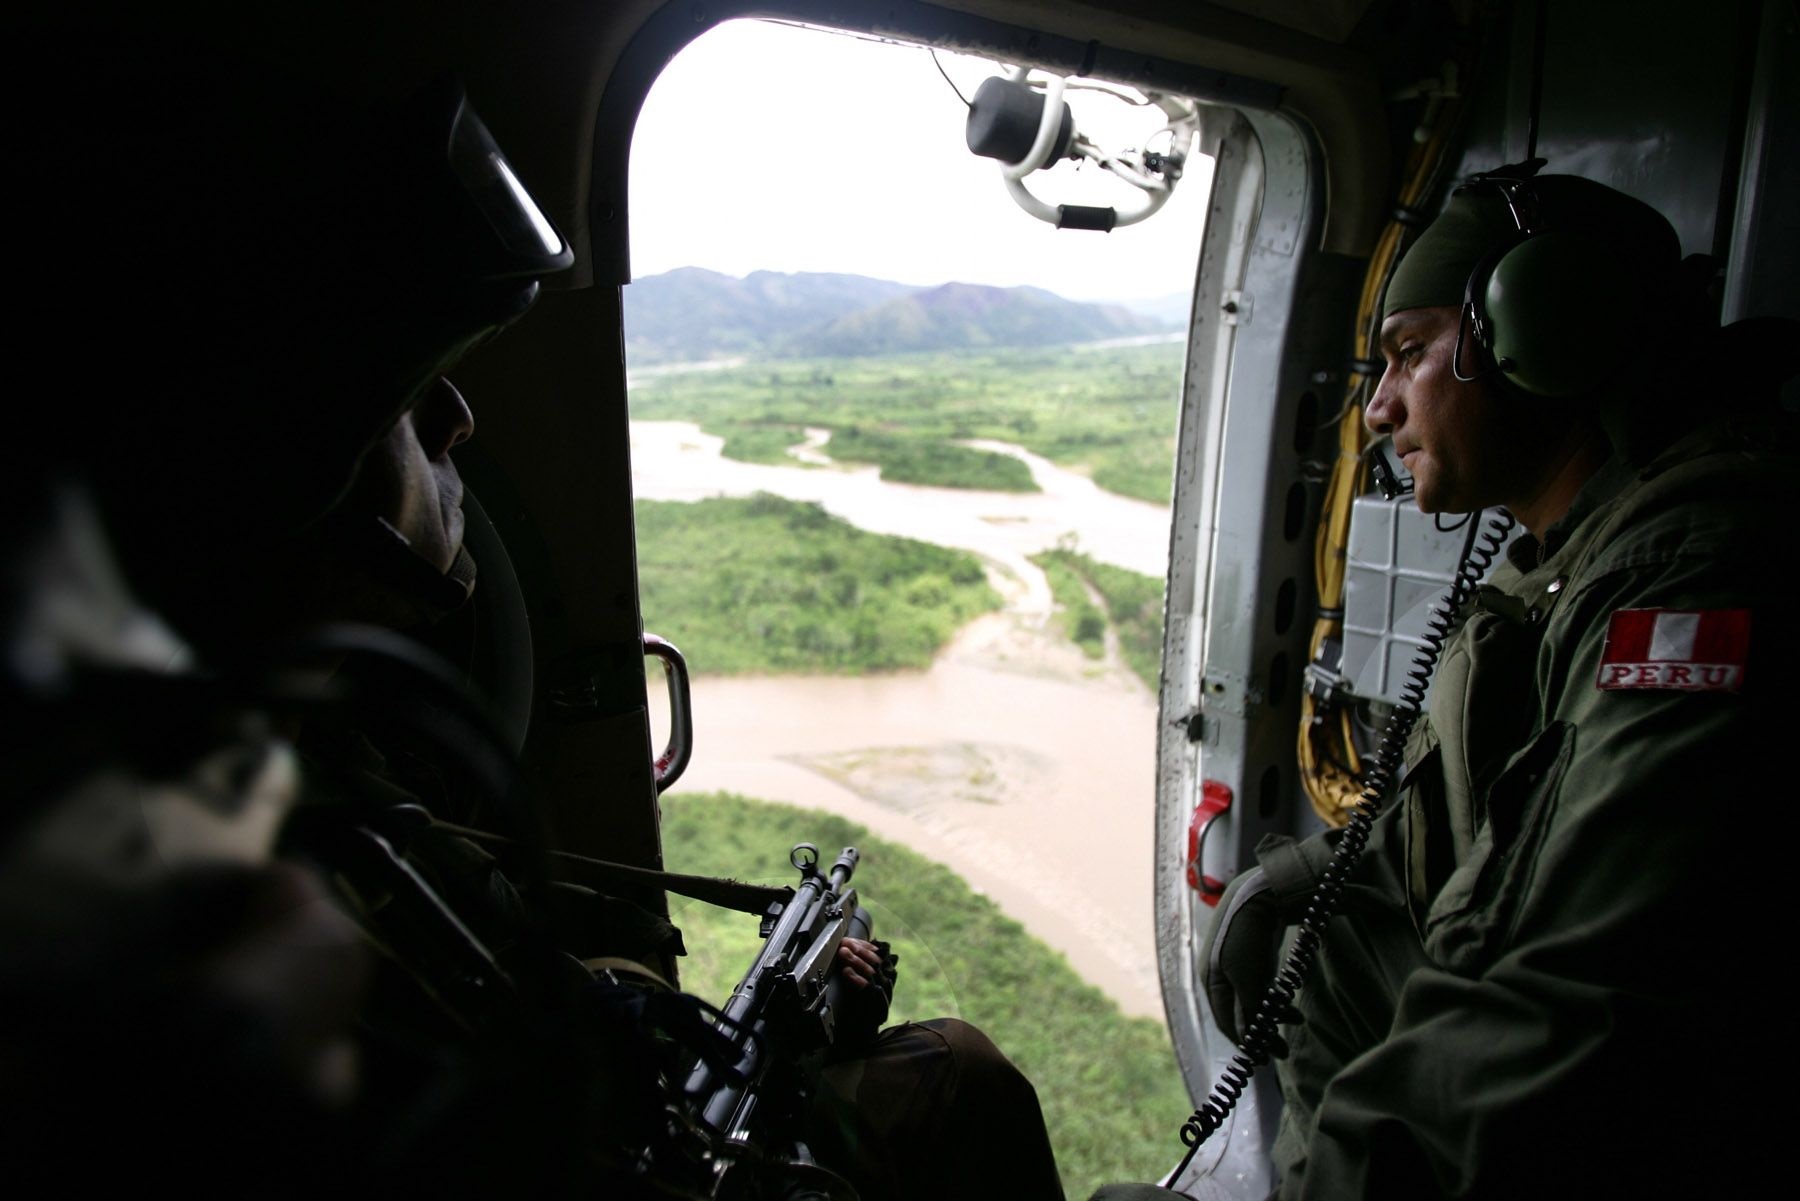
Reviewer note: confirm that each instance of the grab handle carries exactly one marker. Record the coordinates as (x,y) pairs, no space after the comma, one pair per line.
(1215,802)
(675,756)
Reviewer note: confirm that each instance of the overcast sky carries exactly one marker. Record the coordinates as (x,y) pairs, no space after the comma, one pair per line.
(767,146)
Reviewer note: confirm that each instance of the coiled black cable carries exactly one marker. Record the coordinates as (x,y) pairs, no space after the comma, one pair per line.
(1478,553)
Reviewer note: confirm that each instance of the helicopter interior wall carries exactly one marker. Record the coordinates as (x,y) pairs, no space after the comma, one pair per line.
(570,514)
(1661,114)
(1329,19)
(1765,239)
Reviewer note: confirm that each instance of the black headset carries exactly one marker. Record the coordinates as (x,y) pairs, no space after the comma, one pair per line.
(1560,307)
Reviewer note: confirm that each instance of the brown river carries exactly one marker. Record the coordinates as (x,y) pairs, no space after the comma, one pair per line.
(1024,766)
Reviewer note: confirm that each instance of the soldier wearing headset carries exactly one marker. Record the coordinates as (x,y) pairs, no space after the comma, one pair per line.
(1548,950)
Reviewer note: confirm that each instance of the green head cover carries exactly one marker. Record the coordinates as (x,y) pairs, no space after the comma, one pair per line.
(1477,222)
(1436,269)
(1565,311)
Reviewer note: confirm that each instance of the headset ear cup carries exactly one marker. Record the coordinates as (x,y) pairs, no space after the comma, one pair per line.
(1561,308)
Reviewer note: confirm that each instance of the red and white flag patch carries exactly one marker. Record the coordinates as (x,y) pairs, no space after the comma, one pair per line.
(1688,650)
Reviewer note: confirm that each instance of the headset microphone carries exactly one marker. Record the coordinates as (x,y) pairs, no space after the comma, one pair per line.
(1387,482)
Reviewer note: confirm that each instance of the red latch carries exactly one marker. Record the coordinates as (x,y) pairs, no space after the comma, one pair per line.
(1215,799)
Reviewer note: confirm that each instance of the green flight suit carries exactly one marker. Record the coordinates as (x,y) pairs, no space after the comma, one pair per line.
(1544,964)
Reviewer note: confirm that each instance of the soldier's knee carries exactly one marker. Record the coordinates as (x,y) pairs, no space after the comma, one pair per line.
(978,1063)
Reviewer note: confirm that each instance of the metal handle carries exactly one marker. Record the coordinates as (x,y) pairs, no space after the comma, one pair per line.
(1215,801)
(675,756)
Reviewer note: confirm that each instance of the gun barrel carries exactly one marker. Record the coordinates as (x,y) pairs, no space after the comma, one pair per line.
(846,864)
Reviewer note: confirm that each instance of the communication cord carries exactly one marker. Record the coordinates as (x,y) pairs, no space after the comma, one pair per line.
(1480,545)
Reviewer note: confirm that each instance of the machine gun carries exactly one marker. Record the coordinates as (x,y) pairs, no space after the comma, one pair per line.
(736,1118)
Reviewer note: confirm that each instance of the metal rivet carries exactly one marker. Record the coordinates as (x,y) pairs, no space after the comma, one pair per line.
(1556,585)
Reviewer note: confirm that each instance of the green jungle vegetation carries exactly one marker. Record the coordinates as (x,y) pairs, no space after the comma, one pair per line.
(1110,412)
(760,443)
(1110,1089)
(905,459)
(1082,621)
(764,584)
(1134,606)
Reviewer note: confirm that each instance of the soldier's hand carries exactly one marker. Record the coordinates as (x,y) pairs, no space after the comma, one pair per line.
(859,960)
(1238,959)
(1243,949)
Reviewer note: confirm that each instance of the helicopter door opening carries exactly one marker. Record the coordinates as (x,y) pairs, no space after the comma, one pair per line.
(902,458)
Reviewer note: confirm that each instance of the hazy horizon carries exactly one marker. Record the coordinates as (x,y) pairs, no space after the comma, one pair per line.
(741,277)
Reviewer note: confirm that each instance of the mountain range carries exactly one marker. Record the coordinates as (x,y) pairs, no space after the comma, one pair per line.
(692,314)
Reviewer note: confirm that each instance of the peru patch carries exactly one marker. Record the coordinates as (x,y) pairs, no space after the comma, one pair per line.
(1687,650)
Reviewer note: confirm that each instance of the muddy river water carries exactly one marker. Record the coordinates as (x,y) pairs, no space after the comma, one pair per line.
(1015,760)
